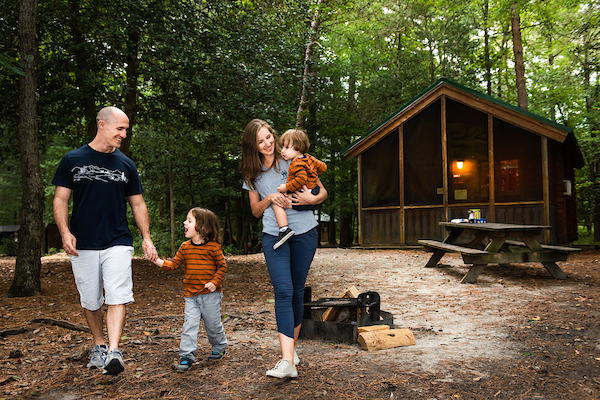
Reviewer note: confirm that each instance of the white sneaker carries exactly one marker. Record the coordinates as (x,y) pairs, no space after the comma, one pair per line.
(296,358)
(283,369)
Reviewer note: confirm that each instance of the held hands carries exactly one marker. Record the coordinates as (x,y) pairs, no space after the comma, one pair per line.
(210,286)
(158,261)
(149,250)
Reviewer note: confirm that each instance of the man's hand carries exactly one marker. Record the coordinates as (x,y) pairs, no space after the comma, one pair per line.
(70,244)
(149,250)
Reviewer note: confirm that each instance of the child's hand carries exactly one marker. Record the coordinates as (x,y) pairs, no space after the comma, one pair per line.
(158,261)
(210,286)
(282,188)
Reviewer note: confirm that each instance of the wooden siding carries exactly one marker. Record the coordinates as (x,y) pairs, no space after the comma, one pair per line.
(520,214)
(381,227)
(423,223)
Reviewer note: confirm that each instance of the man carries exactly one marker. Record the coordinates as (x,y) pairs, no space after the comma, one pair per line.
(99,243)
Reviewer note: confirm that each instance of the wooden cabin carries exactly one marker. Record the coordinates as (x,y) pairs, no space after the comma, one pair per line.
(452,149)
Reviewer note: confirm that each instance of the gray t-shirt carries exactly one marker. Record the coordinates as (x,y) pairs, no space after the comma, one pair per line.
(267,183)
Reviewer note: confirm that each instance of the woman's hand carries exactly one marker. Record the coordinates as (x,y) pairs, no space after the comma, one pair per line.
(259,205)
(307,198)
(281,200)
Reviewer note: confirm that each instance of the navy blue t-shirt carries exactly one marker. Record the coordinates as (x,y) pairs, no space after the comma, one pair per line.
(101,183)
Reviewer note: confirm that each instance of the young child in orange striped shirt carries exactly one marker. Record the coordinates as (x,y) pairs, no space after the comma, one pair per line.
(304,170)
(204,273)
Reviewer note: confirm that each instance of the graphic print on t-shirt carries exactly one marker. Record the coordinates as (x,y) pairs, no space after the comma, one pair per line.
(95,173)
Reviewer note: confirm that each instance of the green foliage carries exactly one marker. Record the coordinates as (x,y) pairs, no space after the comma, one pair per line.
(52,251)
(199,71)
(8,247)
(232,250)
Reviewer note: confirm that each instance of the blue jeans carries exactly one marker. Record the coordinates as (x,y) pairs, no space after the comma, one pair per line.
(288,268)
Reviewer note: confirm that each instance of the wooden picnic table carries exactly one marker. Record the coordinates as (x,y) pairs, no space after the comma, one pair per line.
(494,243)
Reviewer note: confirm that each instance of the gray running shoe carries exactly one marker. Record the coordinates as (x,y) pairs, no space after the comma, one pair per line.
(296,358)
(283,369)
(97,356)
(114,363)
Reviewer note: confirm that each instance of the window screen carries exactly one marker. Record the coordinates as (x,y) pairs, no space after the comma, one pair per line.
(423,178)
(380,173)
(518,164)
(468,167)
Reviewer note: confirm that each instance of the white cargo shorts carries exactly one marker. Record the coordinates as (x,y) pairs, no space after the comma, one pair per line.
(103,276)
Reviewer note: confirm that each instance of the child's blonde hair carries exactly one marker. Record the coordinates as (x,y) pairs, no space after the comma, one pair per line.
(295,138)
(207,224)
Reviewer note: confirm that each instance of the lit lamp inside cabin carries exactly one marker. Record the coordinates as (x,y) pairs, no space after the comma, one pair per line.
(458,167)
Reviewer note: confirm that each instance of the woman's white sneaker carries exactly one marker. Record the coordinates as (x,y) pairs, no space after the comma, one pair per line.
(283,369)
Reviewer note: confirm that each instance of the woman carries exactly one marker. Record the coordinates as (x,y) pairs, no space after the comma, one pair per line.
(264,170)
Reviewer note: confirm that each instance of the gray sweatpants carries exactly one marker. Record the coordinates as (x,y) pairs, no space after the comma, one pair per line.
(208,308)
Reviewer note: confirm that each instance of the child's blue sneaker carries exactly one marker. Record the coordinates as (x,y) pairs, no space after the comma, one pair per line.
(214,356)
(184,365)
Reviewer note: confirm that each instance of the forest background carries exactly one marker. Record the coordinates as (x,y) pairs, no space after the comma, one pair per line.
(191,74)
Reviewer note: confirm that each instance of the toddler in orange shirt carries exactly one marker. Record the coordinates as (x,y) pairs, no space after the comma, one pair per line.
(304,170)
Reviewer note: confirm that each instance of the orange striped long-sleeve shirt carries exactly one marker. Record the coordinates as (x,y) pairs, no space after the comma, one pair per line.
(304,170)
(203,263)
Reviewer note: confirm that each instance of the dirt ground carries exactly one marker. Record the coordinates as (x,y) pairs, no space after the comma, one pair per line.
(515,334)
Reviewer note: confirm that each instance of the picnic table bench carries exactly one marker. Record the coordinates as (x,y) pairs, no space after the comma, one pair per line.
(492,245)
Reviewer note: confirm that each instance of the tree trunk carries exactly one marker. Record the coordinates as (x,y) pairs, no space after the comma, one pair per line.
(331,228)
(172,205)
(83,72)
(307,80)
(590,100)
(518,50)
(346,230)
(27,271)
(503,63)
(242,233)
(486,49)
(131,94)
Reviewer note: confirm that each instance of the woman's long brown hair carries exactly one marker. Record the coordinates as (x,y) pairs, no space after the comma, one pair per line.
(252,159)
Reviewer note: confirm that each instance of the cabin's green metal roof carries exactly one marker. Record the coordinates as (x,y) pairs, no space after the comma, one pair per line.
(449,82)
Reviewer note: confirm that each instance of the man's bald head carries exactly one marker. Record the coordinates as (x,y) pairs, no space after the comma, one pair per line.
(112,129)
(109,114)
